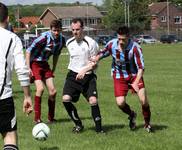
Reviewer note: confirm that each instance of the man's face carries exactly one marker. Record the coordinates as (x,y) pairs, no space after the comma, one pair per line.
(55,32)
(123,40)
(77,30)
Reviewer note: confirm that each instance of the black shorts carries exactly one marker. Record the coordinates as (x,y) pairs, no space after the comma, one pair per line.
(86,86)
(7,115)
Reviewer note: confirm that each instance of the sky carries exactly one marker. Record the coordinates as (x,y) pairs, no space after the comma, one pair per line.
(29,2)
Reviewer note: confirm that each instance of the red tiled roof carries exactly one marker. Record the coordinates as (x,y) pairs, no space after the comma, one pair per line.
(33,19)
(156,8)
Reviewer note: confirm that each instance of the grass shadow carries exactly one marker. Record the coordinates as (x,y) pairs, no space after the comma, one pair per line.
(155,127)
(110,127)
(69,120)
(49,148)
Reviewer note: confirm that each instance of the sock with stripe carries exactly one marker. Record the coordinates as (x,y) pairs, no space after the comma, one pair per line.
(72,112)
(10,147)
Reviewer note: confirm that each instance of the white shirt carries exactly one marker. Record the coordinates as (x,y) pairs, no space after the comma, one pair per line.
(11,57)
(80,53)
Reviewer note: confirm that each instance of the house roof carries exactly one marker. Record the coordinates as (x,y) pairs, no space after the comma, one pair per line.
(156,8)
(73,11)
(33,19)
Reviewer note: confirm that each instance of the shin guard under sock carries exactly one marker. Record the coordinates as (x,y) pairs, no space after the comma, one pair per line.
(37,108)
(97,117)
(126,109)
(146,114)
(72,112)
(51,111)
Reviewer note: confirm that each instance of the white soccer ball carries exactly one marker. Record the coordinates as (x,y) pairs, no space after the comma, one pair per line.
(40,131)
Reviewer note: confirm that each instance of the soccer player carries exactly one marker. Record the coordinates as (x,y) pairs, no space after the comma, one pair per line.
(81,48)
(49,43)
(127,72)
(11,56)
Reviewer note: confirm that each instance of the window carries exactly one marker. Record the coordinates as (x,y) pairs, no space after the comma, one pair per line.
(66,22)
(177,20)
(163,18)
(93,21)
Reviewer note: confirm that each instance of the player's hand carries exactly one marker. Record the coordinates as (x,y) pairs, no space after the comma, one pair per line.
(27,105)
(80,75)
(135,86)
(94,59)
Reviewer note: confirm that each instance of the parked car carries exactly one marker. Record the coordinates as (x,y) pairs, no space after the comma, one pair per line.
(145,39)
(168,38)
(103,39)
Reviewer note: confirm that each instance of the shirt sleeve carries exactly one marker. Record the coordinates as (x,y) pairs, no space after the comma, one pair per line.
(20,64)
(138,57)
(106,51)
(39,42)
(94,48)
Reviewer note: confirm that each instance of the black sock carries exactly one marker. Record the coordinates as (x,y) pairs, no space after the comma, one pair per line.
(97,117)
(72,112)
(10,147)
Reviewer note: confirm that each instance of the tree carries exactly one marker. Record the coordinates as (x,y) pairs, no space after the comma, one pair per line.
(115,16)
(139,15)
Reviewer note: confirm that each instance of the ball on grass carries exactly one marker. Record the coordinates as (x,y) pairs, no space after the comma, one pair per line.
(41,131)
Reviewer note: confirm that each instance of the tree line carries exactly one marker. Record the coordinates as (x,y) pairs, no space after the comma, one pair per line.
(139,16)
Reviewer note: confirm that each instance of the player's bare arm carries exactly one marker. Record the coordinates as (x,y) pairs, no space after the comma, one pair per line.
(135,83)
(90,66)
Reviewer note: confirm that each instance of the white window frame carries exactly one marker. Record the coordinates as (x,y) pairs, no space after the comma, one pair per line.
(177,20)
(93,21)
(66,22)
(163,19)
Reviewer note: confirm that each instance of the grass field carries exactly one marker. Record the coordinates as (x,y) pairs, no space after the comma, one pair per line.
(163,72)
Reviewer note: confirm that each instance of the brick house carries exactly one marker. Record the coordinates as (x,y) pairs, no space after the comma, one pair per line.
(159,13)
(90,15)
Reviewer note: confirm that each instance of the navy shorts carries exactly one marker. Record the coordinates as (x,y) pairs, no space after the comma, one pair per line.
(7,115)
(85,86)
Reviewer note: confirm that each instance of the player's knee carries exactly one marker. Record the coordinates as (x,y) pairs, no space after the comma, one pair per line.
(120,102)
(53,92)
(40,90)
(143,100)
(66,98)
(93,100)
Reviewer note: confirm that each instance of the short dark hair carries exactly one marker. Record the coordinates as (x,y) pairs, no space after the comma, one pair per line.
(3,12)
(75,20)
(124,30)
(56,24)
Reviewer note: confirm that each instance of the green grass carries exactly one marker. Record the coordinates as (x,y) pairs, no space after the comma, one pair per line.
(163,82)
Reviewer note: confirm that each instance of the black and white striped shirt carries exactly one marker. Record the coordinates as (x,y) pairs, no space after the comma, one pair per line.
(11,57)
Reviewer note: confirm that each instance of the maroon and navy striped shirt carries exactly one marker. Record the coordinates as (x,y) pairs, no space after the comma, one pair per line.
(124,63)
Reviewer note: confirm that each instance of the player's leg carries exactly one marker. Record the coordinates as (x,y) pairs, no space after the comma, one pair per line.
(37,100)
(121,103)
(52,99)
(10,140)
(72,112)
(95,111)
(90,93)
(120,91)
(8,124)
(71,94)
(145,108)
(37,73)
